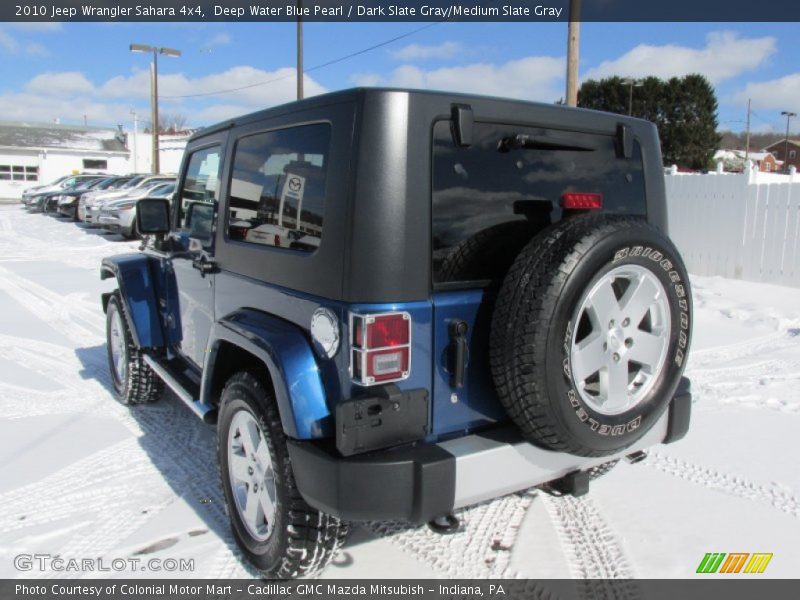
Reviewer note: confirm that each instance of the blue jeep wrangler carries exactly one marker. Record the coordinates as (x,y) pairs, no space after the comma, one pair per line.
(394,304)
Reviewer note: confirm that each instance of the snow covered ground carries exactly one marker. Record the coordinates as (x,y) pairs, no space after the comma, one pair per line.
(82,476)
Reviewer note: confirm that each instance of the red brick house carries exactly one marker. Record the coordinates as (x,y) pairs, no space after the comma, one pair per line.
(778,149)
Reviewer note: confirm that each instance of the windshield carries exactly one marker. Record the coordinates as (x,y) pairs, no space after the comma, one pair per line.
(133,182)
(162,190)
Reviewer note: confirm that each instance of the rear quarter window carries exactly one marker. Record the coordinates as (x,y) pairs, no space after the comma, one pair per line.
(277,190)
(489,198)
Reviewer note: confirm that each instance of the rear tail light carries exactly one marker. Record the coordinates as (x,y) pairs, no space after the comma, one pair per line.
(277,240)
(581,201)
(380,347)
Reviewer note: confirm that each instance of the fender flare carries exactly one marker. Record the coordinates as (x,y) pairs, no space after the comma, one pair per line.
(290,360)
(137,292)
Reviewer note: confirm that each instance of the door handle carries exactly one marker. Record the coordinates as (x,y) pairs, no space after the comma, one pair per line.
(204,265)
(458,353)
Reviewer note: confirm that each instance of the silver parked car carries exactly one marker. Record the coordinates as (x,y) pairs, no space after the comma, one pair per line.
(89,205)
(119,215)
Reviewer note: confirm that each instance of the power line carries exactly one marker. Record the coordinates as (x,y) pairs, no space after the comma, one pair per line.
(314,68)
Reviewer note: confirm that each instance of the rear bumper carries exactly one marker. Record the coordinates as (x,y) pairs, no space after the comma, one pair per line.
(417,484)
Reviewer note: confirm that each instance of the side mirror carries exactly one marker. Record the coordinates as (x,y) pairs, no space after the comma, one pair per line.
(152,216)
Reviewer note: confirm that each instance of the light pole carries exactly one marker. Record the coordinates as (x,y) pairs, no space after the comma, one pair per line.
(154,91)
(788,115)
(632,83)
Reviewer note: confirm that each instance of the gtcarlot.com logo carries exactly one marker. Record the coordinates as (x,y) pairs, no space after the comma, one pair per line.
(49,562)
(734,562)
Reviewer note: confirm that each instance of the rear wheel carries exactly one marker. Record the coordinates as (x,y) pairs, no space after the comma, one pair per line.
(134,381)
(590,333)
(277,530)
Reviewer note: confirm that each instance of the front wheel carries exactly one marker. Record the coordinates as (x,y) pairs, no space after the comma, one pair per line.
(134,381)
(279,533)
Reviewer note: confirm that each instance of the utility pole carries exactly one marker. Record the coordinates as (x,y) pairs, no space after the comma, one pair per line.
(135,140)
(573,51)
(747,137)
(299,50)
(155,165)
(788,115)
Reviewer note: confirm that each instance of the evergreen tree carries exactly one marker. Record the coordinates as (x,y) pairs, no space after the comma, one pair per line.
(684,110)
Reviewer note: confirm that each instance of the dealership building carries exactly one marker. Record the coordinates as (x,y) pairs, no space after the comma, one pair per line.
(37,153)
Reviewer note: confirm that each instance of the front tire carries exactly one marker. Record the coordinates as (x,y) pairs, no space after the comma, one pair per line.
(279,533)
(134,381)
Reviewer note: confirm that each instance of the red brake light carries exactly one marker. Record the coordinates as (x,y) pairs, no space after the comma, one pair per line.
(381,347)
(387,331)
(581,201)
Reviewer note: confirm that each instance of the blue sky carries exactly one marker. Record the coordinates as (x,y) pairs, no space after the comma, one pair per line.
(66,71)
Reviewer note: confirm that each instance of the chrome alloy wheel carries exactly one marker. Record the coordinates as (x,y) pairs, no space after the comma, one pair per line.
(620,339)
(119,350)
(251,475)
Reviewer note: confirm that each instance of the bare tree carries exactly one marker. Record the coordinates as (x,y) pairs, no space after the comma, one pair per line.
(168,123)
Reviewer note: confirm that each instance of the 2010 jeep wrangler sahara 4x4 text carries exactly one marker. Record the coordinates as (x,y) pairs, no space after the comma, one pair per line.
(394,304)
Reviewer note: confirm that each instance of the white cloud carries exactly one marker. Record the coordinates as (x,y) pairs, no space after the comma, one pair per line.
(8,43)
(282,89)
(36,49)
(25,106)
(11,44)
(725,55)
(61,85)
(415,52)
(531,78)
(778,94)
(220,39)
(69,95)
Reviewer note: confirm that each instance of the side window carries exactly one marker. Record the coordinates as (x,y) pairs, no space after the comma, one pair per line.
(277,189)
(199,195)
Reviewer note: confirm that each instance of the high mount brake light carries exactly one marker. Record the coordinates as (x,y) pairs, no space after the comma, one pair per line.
(380,347)
(581,201)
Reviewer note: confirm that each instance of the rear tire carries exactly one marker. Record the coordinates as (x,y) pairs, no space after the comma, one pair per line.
(134,381)
(279,533)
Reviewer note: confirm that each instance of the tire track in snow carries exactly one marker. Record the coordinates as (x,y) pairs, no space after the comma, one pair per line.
(481,548)
(594,552)
(168,429)
(779,496)
(709,359)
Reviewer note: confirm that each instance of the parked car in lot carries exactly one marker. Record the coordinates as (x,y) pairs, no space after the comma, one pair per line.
(119,216)
(52,199)
(491,304)
(89,206)
(44,187)
(68,201)
(37,201)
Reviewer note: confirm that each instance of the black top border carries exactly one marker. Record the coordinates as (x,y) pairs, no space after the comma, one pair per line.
(542,11)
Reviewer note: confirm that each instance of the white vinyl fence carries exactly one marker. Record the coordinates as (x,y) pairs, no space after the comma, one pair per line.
(741,226)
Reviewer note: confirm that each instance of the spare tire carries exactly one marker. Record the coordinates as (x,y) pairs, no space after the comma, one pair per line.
(590,332)
(488,254)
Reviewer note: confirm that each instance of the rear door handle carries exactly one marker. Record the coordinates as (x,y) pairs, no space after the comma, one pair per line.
(458,353)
